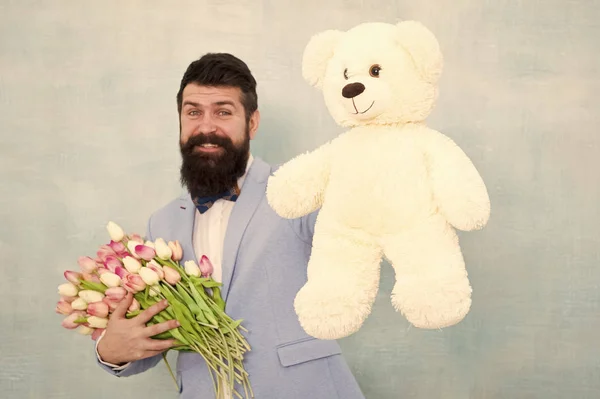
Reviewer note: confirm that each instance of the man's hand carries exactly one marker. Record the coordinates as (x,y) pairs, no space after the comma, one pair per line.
(126,340)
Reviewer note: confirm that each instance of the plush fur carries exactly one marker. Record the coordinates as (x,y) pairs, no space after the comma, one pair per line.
(390,186)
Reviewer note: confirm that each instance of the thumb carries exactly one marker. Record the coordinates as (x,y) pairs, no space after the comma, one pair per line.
(121,309)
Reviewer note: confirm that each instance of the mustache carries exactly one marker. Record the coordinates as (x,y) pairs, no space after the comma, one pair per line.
(200,139)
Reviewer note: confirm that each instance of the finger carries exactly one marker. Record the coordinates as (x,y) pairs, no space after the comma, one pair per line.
(149,353)
(121,309)
(153,310)
(156,329)
(159,345)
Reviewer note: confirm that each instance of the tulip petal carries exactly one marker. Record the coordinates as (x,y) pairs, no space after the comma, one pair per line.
(145,252)
(87,264)
(117,246)
(73,277)
(206,266)
(112,262)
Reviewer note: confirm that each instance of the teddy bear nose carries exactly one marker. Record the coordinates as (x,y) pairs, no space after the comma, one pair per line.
(352,90)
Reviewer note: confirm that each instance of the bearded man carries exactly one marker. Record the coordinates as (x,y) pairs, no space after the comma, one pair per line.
(259,257)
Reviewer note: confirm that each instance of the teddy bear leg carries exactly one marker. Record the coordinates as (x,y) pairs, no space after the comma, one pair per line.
(343,280)
(432,288)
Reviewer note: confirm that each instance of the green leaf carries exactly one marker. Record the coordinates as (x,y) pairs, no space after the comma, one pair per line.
(218,300)
(211,284)
(90,285)
(163,335)
(191,303)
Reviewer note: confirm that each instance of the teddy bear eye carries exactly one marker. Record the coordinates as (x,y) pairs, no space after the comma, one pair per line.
(374,71)
(346,73)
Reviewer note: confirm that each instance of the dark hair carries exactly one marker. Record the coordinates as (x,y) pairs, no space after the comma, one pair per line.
(222,69)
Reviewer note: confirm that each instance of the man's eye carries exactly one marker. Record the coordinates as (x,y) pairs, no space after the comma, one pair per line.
(193,113)
(224,113)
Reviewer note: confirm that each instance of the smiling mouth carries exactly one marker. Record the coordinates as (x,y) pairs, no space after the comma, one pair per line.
(208,147)
(357,112)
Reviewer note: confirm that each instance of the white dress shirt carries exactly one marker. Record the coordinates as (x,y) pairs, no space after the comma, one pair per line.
(208,237)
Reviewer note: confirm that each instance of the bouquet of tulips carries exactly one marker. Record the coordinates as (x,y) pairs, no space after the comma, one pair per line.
(152,272)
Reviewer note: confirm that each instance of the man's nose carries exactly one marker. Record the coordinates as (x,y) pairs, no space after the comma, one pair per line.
(207,124)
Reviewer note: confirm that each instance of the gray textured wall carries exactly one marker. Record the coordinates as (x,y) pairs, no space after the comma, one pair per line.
(89,133)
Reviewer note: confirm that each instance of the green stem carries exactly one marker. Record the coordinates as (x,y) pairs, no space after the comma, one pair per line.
(164,355)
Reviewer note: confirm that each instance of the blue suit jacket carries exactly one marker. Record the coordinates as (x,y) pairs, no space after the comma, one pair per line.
(264,266)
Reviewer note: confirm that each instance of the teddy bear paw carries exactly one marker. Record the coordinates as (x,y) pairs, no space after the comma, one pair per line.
(431,309)
(326,316)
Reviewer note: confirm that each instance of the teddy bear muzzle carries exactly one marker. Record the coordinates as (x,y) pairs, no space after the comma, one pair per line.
(352,90)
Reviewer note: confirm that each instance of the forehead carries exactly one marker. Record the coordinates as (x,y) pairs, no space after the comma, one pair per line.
(207,95)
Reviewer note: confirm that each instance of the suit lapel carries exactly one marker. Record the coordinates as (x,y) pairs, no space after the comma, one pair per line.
(184,228)
(252,193)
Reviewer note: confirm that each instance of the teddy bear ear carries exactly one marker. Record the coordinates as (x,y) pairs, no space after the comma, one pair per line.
(423,47)
(317,54)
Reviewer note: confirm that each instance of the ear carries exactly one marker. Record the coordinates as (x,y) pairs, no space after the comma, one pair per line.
(423,47)
(253,124)
(317,54)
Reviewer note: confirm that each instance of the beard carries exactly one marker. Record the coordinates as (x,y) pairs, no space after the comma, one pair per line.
(208,174)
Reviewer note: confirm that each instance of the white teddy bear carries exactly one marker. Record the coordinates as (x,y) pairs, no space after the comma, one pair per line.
(390,186)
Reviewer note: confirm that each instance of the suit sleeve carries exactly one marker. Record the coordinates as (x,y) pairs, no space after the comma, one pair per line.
(305,226)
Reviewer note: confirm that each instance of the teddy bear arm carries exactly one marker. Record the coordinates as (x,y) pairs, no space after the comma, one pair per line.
(458,188)
(296,188)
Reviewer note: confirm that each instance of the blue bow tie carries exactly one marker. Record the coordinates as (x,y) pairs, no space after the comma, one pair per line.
(203,204)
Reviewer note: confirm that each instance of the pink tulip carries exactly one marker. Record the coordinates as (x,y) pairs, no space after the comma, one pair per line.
(91,277)
(73,277)
(145,252)
(206,267)
(87,264)
(115,294)
(177,251)
(99,309)
(112,305)
(69,321)
(104,252)
(135,305)
(64,307)
(136,237)
(156,268)
(134,283)
(102,270)
(68,299)
(112,262)
(121,272)
(97,333)
(172,276)
(117,246)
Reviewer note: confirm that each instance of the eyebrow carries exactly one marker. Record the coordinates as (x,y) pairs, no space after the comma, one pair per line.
(195,104)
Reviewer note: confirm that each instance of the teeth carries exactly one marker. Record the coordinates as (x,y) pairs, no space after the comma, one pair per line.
(209,145)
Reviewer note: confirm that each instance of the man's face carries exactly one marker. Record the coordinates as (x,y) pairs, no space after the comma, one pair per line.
(214,138)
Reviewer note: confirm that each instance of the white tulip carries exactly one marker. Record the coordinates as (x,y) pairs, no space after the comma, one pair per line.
(149,276)
(115,231)
(97,322)
(154,290)
(85,330)
(131,264)
(162,249)
(91,296)
(67,289)
(79,304)
(192,268)
(131,244)
(111,280)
